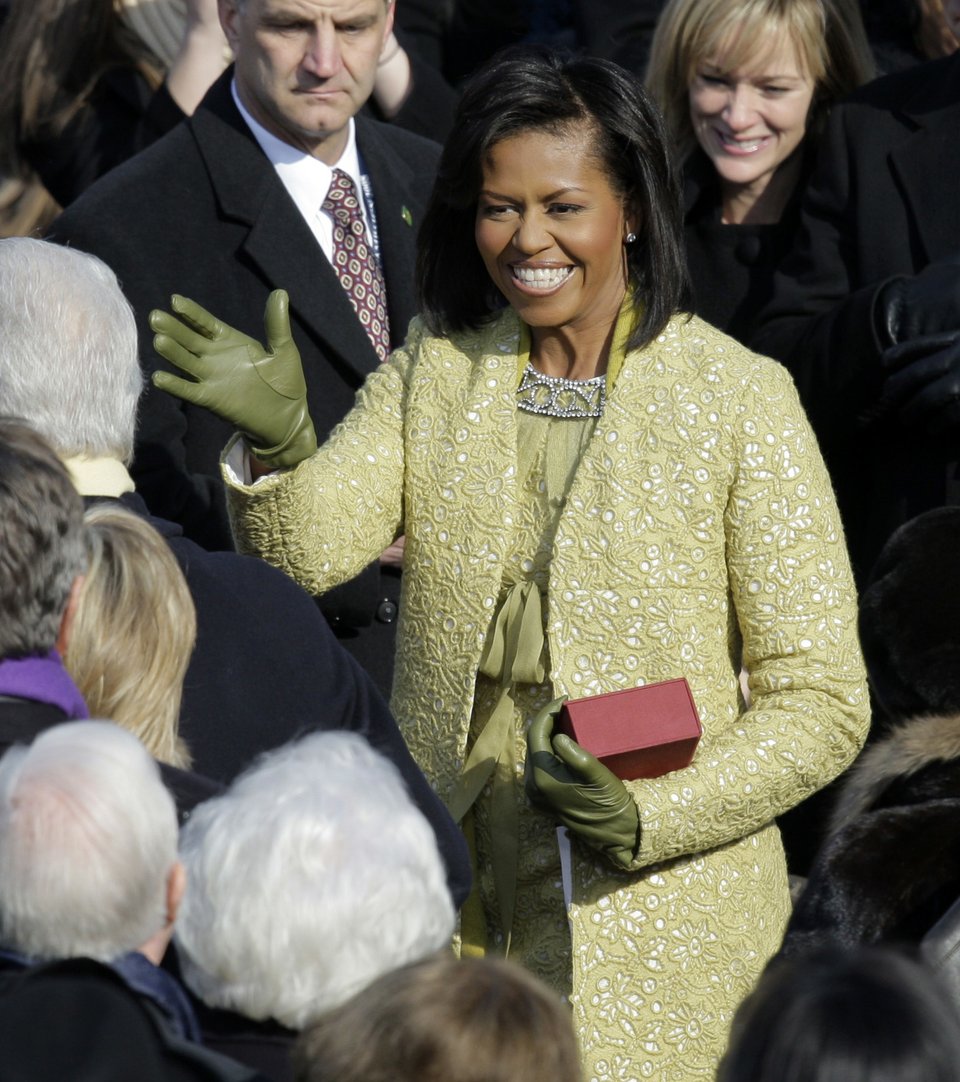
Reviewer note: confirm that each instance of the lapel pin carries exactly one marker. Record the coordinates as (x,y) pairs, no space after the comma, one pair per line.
(406,215)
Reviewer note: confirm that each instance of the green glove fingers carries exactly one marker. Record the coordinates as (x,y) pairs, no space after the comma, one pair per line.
(198,319)
(584,795)
(541,728)
(539,749)
(259,391)
(188,390)
(606,791)
(189,336)
(286,380)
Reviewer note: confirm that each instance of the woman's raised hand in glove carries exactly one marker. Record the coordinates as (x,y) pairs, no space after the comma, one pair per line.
(260,391)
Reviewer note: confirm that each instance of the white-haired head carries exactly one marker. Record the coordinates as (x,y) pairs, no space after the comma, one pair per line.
(313,875)
(68,352)
(88,838)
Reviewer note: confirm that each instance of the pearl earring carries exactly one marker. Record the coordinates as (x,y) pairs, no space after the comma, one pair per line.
(631,237)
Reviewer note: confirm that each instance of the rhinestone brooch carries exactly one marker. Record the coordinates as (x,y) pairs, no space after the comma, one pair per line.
(556,396)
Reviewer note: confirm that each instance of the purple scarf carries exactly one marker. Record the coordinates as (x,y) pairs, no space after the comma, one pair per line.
(43,680)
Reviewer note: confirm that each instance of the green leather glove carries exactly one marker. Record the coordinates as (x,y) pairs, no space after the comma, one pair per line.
(259,391)
(584,795)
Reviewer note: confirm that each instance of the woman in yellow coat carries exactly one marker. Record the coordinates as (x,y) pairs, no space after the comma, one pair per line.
(597,493)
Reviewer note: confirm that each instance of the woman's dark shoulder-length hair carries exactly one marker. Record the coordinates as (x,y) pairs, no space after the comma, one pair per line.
(537,89)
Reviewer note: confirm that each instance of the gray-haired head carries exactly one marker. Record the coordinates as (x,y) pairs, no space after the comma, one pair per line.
(68,354)
(88,836)
(41,541)
(313,875)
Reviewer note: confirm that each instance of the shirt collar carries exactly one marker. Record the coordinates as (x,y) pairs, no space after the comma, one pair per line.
(98,476)
(307,179)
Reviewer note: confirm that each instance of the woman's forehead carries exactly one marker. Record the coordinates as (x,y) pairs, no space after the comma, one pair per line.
(771,51)
(577,138)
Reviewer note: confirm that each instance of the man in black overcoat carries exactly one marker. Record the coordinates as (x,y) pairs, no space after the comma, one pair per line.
(866,311)
(226,208)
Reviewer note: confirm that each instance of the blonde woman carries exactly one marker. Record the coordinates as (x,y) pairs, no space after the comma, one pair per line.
(133,632)
(744,86)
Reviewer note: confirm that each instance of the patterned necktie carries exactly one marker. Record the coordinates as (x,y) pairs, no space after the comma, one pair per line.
(356,267)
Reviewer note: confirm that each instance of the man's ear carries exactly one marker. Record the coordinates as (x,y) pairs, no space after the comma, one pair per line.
(156,946)
(66,621)
(176,886)
(229,14)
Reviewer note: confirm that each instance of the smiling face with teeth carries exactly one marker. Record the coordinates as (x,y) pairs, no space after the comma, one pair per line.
(550,229)
(750,121)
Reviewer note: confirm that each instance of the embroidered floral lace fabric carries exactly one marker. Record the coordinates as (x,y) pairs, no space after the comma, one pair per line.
(699,530)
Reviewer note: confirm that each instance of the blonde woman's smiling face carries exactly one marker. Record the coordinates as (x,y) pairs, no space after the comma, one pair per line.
(750,120)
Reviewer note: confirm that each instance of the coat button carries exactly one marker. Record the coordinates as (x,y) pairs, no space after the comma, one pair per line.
(387,611)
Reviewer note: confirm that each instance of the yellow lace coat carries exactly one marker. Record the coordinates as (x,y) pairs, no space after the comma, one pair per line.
(700,532)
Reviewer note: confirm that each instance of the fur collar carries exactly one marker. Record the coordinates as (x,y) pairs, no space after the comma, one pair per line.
(909,747)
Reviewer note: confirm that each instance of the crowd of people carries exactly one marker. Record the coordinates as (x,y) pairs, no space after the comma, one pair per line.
(378,377)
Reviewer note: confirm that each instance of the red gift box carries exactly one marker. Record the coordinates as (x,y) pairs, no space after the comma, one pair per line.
(639,732)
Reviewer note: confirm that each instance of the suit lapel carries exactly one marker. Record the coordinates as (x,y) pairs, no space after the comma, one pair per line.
(922,160)
(279,244)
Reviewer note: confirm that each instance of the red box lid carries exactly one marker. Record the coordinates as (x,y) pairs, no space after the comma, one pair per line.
(640,717)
